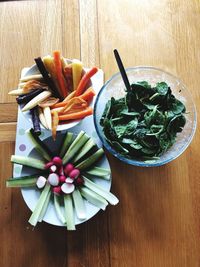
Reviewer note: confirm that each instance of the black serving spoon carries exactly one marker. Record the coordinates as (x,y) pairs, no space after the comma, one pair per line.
(122,70)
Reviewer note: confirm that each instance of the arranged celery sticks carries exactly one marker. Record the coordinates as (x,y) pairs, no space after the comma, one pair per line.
(66,176)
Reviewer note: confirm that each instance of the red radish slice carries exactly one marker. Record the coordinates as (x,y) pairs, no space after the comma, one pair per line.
(53,168)
(69,180)
(53,179)
(68,168)
(67,188)
(48,164)
(57,161)
(74,173)
(62,179)
(41,181)
(57,190)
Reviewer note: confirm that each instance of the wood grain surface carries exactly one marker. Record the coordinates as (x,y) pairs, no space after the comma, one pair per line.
(157,222)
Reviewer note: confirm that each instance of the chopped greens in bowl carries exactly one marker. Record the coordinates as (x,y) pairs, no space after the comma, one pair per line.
(149,125)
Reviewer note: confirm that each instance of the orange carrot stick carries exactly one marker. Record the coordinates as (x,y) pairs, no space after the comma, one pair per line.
(60,77)
(76,115)
(88,94)
(84,80)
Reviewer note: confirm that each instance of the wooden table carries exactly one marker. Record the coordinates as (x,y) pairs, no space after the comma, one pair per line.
(157,222)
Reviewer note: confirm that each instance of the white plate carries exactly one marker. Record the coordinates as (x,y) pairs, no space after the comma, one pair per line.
(31,195)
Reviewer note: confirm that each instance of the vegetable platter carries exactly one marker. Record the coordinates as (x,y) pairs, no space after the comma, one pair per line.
(23,147)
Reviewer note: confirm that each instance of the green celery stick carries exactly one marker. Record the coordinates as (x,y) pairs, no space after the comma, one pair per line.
(58,209)
(28,161)
(39,206)
(99,172)
(113,200)
(66,143)
(79,205)
(76,145)
(90,160)
(93,198)
(44,208)
(86,148)
(69,212)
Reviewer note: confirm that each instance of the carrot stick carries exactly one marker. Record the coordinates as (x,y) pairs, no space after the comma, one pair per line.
(84,80)
(55,121)
(60,77)
(76,115)
(88,94)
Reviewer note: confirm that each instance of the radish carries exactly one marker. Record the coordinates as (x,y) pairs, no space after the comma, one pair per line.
(68,168)
(57,190)
(53,179)
(60,171)
(53,168)
(74,173)
(57,161)
(79,181)
(48,164)
(67,188)
(62,178)
(69,180)
(41,181)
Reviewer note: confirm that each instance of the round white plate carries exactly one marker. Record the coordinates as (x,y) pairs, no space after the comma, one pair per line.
(31,195)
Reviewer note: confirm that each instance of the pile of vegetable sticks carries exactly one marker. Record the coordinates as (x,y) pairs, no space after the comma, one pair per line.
(59,92)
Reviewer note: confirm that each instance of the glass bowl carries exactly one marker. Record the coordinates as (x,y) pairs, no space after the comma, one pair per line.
(114,87)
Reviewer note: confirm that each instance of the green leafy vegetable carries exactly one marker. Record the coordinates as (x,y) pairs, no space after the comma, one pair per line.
(143,124)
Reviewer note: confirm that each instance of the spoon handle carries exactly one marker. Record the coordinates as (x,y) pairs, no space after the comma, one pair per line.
(122,70)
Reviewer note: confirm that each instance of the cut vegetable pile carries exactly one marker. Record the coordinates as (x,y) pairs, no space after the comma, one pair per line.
(67,177)
(60,92)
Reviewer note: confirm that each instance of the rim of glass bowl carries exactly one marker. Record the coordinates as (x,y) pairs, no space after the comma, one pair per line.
(137,162)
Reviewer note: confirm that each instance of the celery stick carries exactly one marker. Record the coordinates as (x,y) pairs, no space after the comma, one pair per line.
(76,145)
(39,206)
(93,198)
(66,143)
(79,204)
(58,209)
(25,181)
(28,161)
(90,160)
(39,145)
(45,206)
(113,200)
(99,172)
(69,212)
(86,148)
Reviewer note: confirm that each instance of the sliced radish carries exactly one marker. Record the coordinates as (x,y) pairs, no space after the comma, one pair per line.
(57,161)
(53,179)
(67,188)
(68,168)
(41,181)
(62,178)
(69,180)
(53,168)
(74,173)
(48,164)
(57,190)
